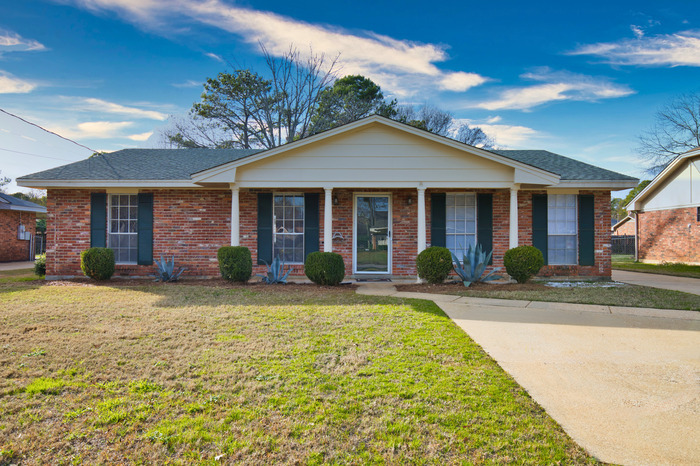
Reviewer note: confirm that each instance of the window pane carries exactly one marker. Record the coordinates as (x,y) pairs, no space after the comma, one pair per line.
(450,227)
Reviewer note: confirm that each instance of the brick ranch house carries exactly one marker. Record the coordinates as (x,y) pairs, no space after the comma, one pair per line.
(375,191)
(17,228)
(667,213)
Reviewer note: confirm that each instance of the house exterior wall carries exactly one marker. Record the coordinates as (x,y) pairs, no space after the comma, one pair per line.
(682,189)
(671,235)
(193,224)
(11,248)
(626,229)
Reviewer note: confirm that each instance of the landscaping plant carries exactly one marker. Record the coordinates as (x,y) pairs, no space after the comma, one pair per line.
(473,266)
(275,272)
(434,264)
(325,268)
(523,262)
(165,270)
(97,263)
(40,265)
(235,263)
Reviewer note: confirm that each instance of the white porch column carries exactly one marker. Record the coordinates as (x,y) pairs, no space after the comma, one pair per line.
(421,219)
(328,221)
(235,217)
(514,216)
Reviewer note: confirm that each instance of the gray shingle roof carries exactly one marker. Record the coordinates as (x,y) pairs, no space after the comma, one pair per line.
(8,202)
(568,169)
(142,164)
(180,164)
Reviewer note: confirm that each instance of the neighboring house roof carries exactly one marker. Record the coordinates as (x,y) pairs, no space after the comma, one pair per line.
(665,176)
(177,167)
(621,222)
(8,202)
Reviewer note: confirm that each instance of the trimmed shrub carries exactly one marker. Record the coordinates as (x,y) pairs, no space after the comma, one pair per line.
(40,265)
(235,263)
(434,264)
(523,262)
(325,268)
(97,263)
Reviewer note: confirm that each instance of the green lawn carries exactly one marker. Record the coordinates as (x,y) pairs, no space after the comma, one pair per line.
(20,275)
(262,375)
(620,262)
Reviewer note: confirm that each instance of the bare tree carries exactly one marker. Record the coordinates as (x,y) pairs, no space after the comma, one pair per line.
(442,122)
(3,182)
(474,136)
(676,130)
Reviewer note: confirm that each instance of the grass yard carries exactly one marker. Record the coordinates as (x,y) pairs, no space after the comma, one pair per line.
(624,295)
(620,262)
(20,275)
(263,375)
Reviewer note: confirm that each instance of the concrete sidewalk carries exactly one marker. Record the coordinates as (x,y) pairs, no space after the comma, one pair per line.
(667,282)
(16,265)
(622,382)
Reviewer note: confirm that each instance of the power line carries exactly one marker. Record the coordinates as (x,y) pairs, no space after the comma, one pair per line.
(44,129)
(35,155)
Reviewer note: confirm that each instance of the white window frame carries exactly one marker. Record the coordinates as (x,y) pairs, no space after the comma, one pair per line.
(550,197)
(303,230)
(389,239)
(110,197)
(476,228)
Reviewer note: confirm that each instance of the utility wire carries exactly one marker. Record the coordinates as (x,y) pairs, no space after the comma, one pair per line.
(44,129)
(35,155)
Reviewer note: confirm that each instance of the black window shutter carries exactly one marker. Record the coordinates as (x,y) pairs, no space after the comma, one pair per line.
(311,237)
(586,230)
(264,228)
(484,222)
(539,224)
(145,229)
(98,220)
(437,219)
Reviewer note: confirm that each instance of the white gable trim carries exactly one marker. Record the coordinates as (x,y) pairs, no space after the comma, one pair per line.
(523,173)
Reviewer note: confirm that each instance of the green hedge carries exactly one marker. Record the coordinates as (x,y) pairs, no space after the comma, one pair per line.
(523,262)
(40,265)
(97,263)
(235,263)
(325,268)
(434,264)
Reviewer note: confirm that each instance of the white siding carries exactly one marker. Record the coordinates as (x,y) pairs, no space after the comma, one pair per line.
(681,190)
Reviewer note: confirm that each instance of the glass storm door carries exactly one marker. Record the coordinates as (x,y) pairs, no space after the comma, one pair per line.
(372,234)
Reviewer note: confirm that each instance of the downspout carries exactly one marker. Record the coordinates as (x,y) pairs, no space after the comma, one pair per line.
(636,235)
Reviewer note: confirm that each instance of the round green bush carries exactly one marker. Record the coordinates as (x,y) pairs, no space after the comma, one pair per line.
(523,262)
(434,264)
(97,263)
(235,263)
(40,265)
(325,268)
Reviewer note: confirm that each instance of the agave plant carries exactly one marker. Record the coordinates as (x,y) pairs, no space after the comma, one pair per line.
(473,265)
(165,270)
(275,272)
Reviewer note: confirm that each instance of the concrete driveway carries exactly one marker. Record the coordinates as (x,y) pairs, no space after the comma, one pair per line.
(668,282)
(625,387)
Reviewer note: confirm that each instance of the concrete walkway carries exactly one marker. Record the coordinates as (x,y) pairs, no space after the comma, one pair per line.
(16,265)
(622,384)
(667,282)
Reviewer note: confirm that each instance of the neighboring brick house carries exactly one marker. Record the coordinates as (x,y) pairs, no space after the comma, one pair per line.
(625,227)
(375,190)
(668,213)
(17,228)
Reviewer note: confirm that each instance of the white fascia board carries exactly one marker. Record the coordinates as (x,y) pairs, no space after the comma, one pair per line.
(636,203)
(19,208)
(203,175)
(527,177)
(374,184)
(44,184)
(621,222)
(222,175)
(613,185)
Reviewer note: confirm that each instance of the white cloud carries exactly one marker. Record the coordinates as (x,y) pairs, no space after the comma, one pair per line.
(103,106)
(188,83)
(557,86)
(12,85)
(13,42)
(504,135)
(401,67)
(93,129)
(215,57)
(679,49)
(638,31)
(141,137)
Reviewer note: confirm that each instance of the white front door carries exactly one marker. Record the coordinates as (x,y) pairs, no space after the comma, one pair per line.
(372,234)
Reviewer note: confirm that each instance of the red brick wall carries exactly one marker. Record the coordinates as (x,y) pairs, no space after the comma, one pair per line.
(601,267)
(664,236)
(11,248)
(193,224)
(627,229)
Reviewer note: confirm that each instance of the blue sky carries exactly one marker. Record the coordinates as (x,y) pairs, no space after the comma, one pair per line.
(583,80)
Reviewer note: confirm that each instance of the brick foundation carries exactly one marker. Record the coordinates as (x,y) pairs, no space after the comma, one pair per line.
(193,224)
(671,235)
(11,248)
